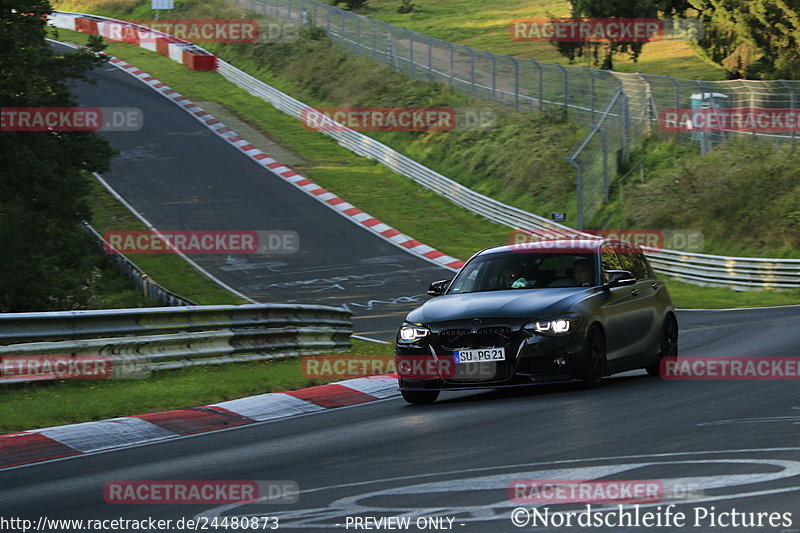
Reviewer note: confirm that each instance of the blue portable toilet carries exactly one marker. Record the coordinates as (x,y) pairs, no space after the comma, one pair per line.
(708,101)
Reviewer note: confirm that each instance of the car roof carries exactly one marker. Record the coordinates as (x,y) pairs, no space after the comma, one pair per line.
(577,245)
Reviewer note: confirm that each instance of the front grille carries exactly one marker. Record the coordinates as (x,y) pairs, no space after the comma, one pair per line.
(485,338)
(455,338)
(496,336)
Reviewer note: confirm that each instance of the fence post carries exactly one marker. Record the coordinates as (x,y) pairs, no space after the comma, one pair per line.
(410,53)
(374,31)
(677,101)
(541,80)
(356,45)
(430,59)
(626,125)
(494,74)
(792,105)
(606,180)
(472,69)
(579,188)
(516,81)
(328,21)
(566,89)
(452,62)
(592,95)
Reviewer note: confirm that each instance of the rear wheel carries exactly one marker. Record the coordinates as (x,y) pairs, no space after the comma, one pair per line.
(669,344)
(594,358)
(420,397)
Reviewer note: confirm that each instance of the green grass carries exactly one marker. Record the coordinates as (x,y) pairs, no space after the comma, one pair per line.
(45,404)
(483,24)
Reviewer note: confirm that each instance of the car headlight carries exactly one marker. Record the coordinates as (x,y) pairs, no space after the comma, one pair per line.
(411,333)
(554,326)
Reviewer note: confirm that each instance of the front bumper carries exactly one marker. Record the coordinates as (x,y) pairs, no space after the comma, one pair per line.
(530,359)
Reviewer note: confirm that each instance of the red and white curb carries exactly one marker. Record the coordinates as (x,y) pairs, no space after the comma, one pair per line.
(324,196)
(76,439)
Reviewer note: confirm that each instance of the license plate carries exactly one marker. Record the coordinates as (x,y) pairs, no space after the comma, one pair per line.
(476,356)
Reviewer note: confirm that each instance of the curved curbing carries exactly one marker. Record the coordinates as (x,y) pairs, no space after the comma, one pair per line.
(17,449)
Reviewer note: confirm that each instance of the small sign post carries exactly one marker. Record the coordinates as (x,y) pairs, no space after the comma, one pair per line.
(156,5)
(559,217)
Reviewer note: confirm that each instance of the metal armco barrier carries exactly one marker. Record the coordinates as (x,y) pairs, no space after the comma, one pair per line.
(741,273)
(140,279)
(149,339)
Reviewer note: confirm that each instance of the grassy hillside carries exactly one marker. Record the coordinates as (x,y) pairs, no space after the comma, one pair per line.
(483,24)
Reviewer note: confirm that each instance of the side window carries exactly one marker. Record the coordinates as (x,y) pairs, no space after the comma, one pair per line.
(643,265)
(633,261)
(609,260)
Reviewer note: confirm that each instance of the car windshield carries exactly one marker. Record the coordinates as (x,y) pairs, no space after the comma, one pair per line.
(514,270)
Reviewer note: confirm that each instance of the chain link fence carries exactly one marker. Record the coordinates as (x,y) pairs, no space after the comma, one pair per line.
(616,107)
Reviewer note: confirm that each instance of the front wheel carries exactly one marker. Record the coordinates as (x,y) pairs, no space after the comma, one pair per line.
(420,397)
(594,358)
(669,344)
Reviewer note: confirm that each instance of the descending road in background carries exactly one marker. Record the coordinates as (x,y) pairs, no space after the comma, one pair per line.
(181,176)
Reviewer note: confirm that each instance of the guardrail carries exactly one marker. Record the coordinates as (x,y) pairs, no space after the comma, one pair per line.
(149,288)
(700,269)
(139,341)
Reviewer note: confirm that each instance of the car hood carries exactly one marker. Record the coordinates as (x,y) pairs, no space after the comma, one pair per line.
(511,303)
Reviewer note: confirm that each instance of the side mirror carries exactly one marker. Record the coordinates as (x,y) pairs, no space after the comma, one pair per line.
(619,278)
(437,288)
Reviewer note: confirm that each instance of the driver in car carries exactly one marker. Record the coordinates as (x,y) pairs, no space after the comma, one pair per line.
(581,276)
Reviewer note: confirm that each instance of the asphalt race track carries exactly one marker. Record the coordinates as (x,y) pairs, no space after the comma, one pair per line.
(735,444)
(181,176)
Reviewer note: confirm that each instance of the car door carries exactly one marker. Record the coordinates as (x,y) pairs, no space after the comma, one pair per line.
(643,320)
(619,312)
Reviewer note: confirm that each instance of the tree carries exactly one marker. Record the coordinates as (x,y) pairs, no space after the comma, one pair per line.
(602,54)
(756,39)
(43,184)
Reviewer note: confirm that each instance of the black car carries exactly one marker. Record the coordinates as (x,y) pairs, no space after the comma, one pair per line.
(541,312)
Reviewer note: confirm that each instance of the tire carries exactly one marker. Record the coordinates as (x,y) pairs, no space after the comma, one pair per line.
(594,358)
(669,344)
(420,397)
